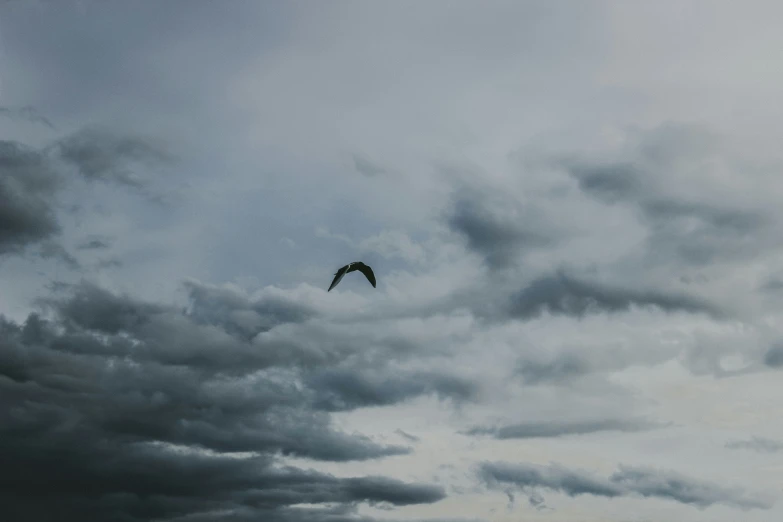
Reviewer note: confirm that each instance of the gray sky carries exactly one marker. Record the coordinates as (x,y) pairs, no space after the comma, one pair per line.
(572,210)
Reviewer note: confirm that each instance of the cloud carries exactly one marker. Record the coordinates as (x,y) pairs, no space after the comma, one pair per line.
(562,368)
(693,224)
(772,285)
(498,228)
(101,154)
(52,250)
(212,336)
(144,482)
(407,436)
(346,389)
(95,243)
(90,307)
(394,243)
(774,356)
(240,315)
(109,263)
(26,113)
(366,167)
(759,444)
(260,100)
(554,477)
(116,406)
(626,481)
(27,189)
(33,178)
(561,294)
(529,430)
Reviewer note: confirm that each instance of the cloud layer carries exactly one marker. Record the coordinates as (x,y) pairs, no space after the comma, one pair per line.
(575,224)
(120,406)
(645,482)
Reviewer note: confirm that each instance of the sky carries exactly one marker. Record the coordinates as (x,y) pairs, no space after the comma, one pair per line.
(571,208)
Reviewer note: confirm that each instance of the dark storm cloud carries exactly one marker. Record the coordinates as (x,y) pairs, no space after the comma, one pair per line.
(529,430)
(497,230)
(113,408)
(562,294)
(759,444)
(681,224)
(110,481)
(626,481)
(332,513)
(133,398)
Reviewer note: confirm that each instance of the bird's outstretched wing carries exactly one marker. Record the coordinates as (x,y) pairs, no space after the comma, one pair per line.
(366,270)
(338,276)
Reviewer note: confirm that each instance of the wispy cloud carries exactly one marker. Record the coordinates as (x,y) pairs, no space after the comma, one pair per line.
(759,444)
(566,295)
(529,430)
(626,481)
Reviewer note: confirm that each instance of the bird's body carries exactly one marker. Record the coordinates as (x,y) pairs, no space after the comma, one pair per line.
(352,267)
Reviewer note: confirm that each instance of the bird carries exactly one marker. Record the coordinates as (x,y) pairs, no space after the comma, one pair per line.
(352,267)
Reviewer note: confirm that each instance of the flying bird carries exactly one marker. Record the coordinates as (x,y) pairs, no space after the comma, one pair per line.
(352,267)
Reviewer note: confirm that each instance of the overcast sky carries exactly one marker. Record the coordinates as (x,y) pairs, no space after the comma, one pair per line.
(572,210)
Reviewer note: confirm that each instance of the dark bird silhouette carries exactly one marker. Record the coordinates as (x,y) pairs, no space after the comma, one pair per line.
(352,267)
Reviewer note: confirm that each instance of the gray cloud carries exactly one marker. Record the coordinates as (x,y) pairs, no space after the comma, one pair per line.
(759,444)
(142,482)
(206,337)
(118,408)
(345,389)
(53,250)
(109,263)
(407,436)
(238,314)
(95,243)
(565,295)
(26,113)
(774,356)
(259,98)
(27,189)
(610,182)
(529,430)
(772,285)
(31,179)
(557,370)
(102,154)
(93,308)
(366,167)
(683,224)
(497,228)
(626,481)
